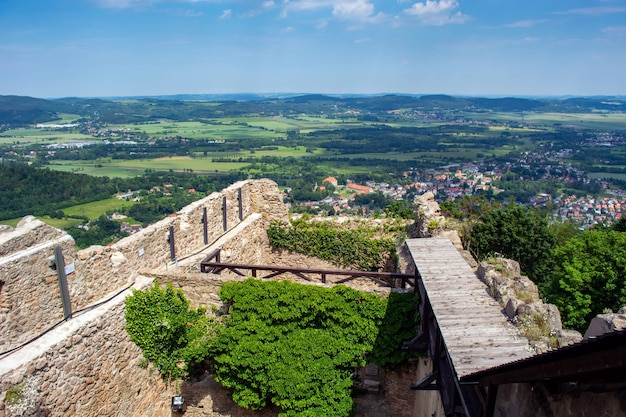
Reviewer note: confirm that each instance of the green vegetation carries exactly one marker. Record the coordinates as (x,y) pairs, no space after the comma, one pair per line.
(99,232)
(352,247)
(296,346)
(517,233)
(582,272)
(171,335)
(95,209)
(27,190)
(589,276)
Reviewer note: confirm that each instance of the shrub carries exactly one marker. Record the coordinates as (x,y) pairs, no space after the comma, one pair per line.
(356,248)
(297,346)
(175,338)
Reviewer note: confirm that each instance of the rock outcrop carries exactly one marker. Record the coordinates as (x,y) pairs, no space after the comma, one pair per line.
(606,323)
(519,296)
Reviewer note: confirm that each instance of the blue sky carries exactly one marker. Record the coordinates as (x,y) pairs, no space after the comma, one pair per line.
(88,48)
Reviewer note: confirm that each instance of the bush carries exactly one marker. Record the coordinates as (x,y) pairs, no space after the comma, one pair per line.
(352,248)
(175,338)
(296,346)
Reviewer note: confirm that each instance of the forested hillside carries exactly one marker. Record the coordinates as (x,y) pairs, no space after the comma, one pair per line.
(15,110)
(40,191)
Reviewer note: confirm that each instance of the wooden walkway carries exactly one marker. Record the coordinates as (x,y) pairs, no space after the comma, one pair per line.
(462,328)
(477,335)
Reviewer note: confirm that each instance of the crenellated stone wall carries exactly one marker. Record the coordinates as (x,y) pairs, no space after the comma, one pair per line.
(29,291)
(93,369)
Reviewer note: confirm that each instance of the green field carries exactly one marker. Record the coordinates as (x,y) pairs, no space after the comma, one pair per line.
(42,137)
(97,208)
(134,167)
(220,129)
(58,223)
(614,175)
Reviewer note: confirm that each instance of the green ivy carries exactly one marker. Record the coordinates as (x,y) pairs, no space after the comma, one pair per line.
(296,346)
(175,338)
(356,248)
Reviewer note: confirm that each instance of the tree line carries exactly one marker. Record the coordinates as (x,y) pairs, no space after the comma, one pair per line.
(582,272)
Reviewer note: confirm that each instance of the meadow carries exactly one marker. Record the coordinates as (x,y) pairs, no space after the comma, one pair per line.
(135,167)
(95,209)
(38,136)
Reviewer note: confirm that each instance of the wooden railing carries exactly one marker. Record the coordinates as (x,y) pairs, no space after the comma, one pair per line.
(212,264)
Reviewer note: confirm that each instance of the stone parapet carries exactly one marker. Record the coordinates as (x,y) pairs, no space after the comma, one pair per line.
(29,292)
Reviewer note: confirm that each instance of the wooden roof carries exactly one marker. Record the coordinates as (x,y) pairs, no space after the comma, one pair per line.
(477,334)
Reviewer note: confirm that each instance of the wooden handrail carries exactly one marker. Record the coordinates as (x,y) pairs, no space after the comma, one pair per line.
(382,278)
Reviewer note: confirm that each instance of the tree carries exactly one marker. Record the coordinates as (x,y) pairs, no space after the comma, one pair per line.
(590,276)
(518,233)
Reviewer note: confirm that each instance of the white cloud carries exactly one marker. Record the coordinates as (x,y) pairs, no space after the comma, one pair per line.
(526,23)
(352,10)
(286,30)
(594,11)
(226,14)
(615,30)
(434,12)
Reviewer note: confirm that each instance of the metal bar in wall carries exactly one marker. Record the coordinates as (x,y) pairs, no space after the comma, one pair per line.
(170,239)
(65,294)
(205,229)
(224,217)
(240,201)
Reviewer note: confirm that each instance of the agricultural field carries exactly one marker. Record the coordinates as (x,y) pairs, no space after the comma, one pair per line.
(549,120)
(134,167)
(221,129)
(38,136)
(97,208)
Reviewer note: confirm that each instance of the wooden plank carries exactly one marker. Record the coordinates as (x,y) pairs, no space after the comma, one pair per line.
(476,332)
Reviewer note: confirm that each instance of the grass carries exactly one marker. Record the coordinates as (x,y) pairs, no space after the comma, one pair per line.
(11,222)
(61,223)
(220,129)
(42,137)
(58,223)
(97,208)
(614,175)
(134,167)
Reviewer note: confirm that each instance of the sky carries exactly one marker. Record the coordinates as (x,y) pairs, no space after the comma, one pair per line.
(107,48)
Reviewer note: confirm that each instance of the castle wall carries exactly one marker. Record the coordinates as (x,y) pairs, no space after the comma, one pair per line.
(29,292)
(94,371)
(30,299)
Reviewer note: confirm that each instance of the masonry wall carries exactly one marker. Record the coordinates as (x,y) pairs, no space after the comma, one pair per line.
(93,372)
(30,300)
(29,292)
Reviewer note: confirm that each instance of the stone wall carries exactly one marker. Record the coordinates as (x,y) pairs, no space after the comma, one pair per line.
(29,292)
(93,372)
(30,300)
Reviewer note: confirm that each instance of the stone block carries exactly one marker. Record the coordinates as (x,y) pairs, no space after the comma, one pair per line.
(511,307)
(371,385)
(371,369)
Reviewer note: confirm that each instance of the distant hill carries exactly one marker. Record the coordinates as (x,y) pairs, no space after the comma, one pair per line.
(21,111)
